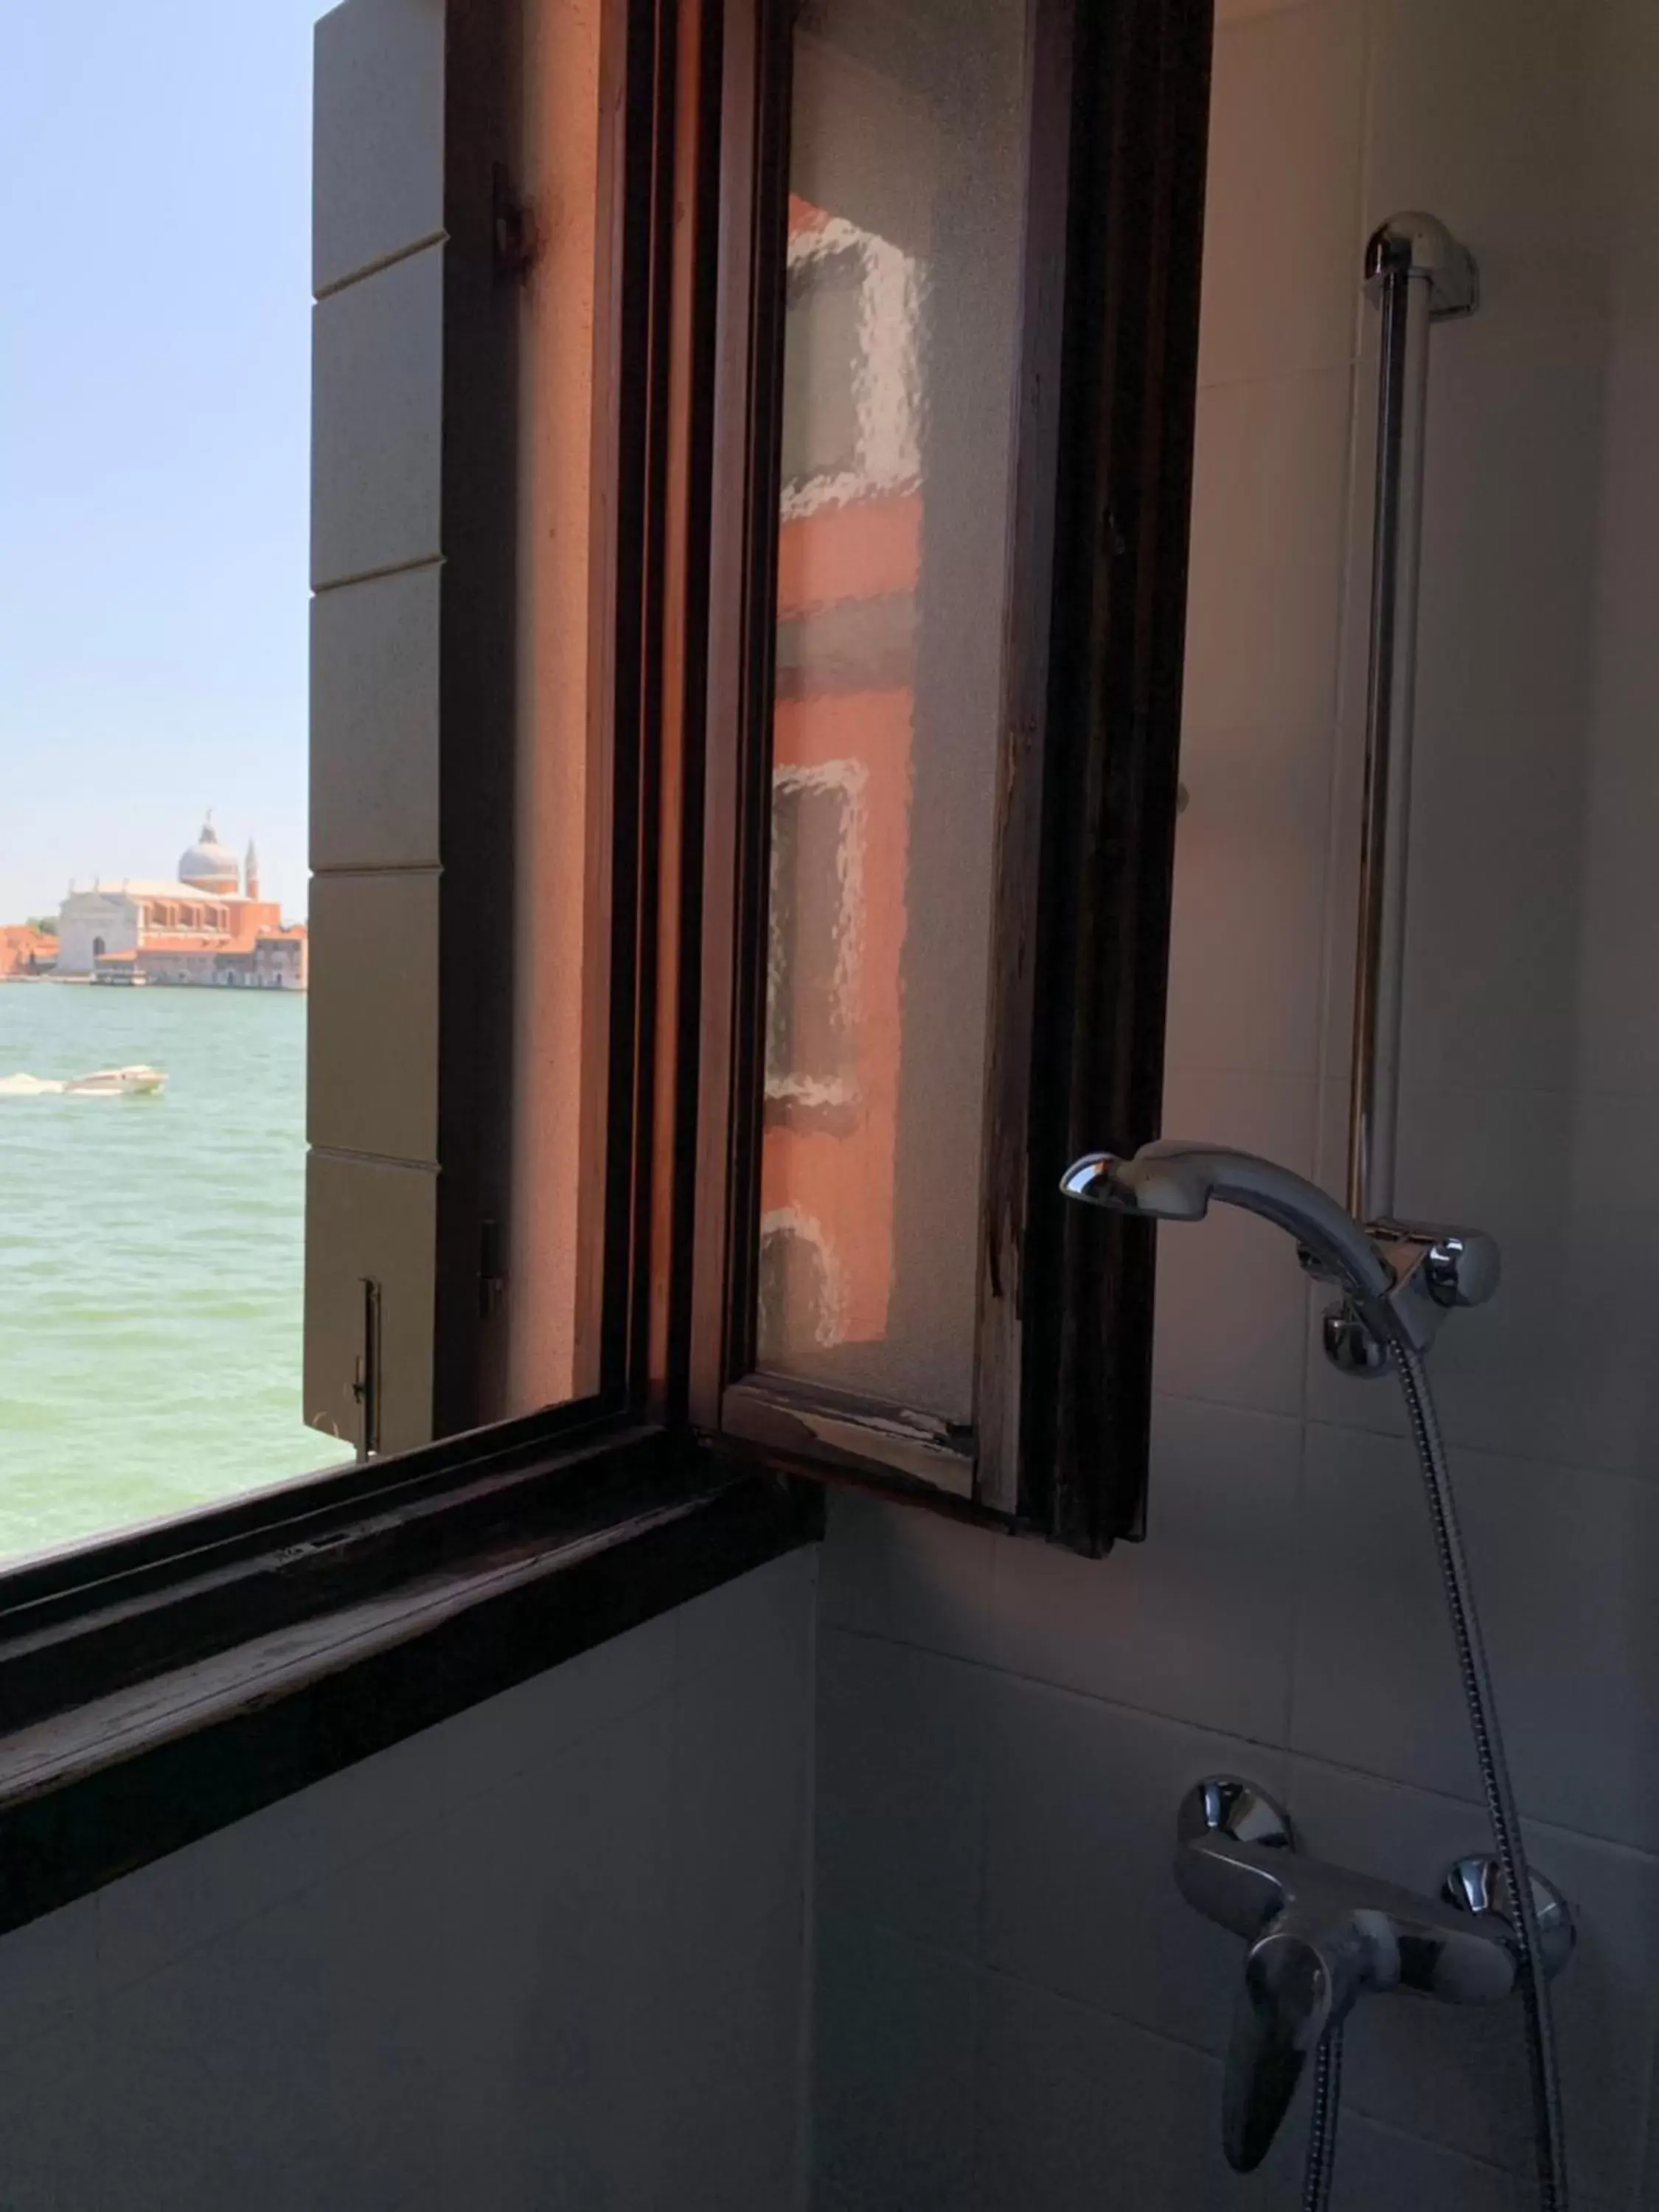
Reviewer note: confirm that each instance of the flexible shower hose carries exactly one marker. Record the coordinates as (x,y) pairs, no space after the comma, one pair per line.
(1321,2168)
(1523,1913)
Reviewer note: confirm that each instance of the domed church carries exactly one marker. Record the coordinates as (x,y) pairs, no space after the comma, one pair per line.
(208,924)
(208,865)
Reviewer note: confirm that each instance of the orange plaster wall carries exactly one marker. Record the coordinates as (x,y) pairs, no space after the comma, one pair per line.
(864,550)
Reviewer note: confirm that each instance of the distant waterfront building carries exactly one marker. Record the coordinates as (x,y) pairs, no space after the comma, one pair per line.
(208,925)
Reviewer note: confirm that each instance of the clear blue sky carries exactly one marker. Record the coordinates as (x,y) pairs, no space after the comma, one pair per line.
(154,418)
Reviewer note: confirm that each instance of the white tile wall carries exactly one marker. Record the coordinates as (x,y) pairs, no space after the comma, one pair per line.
(1252,842)
(1077,2111)
(1265,589)
(893,2107)
(1566,1561)
(1068,1845)
(1489,112)
(1284,201)
(901,1761)
(1619,941)
(1461,2076)
(911,1578)
(1196,1625)
(547,1957)
(1283,1616)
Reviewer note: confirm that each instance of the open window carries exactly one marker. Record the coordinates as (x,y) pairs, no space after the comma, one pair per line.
(806,661)
(751,473)
(947,620)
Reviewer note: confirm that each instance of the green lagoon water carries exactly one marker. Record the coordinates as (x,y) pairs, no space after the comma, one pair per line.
(151,1256)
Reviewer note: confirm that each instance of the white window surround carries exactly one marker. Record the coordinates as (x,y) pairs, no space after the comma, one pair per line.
(830,1327)
(884,384)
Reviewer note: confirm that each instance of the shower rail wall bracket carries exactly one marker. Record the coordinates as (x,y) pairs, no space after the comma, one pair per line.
(1435,1270)
(1421,246)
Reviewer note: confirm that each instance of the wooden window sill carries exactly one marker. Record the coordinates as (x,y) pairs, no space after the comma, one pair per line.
(102,1787)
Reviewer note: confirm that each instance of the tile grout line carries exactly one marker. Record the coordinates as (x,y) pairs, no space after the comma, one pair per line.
(1157,1716)
(1351,2106)
(1216,2058)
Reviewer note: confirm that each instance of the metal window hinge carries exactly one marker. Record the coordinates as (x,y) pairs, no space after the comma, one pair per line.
(492,1268)
(366,1379)
(514,227)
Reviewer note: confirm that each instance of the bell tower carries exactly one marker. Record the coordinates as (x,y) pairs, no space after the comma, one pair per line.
(250,870)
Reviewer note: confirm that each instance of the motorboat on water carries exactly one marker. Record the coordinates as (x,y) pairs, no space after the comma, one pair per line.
(105,1083)
(122,1082)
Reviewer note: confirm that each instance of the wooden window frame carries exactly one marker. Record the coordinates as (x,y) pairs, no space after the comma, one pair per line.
(1087,782)
(159,1684)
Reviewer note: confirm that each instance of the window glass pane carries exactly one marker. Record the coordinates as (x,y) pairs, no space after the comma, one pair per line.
(907,167)
(154,165)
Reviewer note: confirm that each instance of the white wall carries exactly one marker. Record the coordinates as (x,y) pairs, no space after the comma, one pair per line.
(1017,2013)
(87,915)
(548,1957)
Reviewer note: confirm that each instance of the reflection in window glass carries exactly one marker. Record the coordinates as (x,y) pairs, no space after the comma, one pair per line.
(907,162)
(813,951)
(155,165)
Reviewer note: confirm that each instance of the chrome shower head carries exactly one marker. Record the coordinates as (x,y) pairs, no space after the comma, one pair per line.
(1174,1181)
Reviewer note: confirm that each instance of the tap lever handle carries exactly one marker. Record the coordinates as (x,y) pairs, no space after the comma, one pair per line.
(1320,1935)
(1284,2007)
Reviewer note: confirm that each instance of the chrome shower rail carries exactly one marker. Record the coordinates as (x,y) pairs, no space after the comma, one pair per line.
(1418,274)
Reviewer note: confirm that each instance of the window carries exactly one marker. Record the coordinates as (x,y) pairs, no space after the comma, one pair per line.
(742,794)
(155,454)
(950,973)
